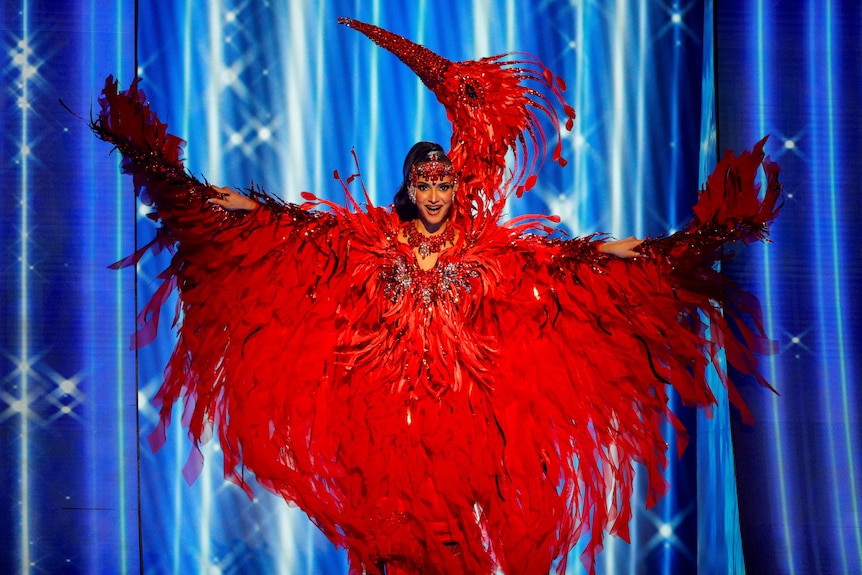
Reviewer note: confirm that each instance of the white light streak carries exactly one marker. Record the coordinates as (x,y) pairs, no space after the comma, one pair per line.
(296,78)
(619,118)
(22,61)
(481,27)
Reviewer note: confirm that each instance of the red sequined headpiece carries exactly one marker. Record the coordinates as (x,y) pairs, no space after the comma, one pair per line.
(432,171)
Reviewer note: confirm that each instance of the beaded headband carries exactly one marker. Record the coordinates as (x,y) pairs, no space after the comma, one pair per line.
(432,171)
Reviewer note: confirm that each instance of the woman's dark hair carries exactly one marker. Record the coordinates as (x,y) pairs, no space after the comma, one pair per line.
(420,153)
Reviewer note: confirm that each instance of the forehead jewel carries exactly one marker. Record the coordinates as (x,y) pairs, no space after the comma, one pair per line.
(432,171)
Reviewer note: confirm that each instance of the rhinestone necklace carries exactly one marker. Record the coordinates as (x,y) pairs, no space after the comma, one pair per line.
(428,245)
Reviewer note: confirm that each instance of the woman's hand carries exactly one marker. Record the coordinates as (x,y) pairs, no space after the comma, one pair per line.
(231,200)
(622,248)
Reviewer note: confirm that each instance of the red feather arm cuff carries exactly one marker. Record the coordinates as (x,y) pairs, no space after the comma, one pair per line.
(196,230)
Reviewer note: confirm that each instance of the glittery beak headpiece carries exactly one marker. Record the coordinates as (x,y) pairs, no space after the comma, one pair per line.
(492,104)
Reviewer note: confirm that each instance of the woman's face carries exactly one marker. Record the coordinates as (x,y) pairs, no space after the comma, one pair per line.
(434,200)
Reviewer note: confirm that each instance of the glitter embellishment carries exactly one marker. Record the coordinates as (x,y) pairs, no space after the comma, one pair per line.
(430,67)
(451,279)
(471,91)
(428,244)
(431,171)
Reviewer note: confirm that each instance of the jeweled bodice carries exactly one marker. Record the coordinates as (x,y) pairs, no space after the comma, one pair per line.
(446,280)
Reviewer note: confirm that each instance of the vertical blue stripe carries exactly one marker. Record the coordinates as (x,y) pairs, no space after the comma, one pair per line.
(837,260)
(23,356)
(719,545)
(762,39)
(123,535)
(830,257)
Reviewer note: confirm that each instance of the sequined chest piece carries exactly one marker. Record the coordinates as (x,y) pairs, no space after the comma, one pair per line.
(445,280)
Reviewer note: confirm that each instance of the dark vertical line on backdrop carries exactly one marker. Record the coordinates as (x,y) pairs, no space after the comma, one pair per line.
(719,149)
(137,351)
(135,74)
(715,75)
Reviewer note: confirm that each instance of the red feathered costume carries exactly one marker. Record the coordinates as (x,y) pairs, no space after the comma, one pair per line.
(485,414)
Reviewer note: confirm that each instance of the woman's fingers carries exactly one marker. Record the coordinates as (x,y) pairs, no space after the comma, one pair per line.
(230,199)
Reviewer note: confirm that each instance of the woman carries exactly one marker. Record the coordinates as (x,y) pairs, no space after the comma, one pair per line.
(439,390)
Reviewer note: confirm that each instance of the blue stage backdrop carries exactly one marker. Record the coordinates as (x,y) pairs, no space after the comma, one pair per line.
(795,73)
(277,93)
